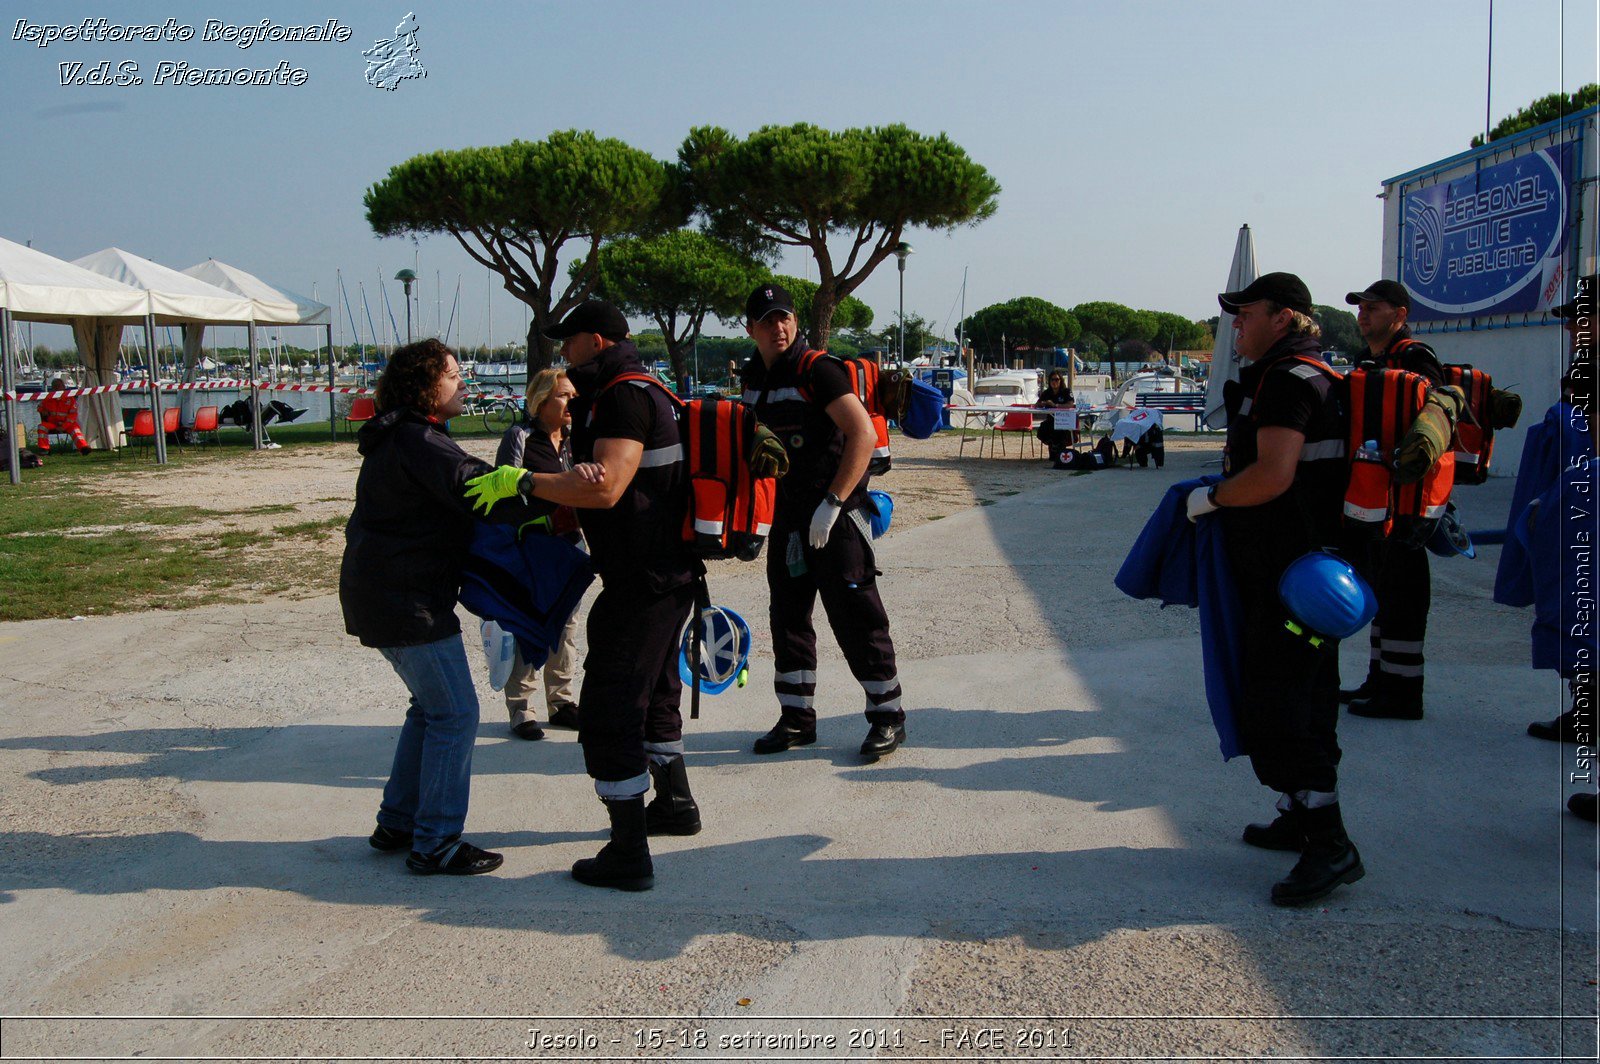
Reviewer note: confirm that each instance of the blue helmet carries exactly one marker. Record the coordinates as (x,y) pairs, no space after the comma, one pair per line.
(882,513)
(1324,594)
(1449,537)
(724,650)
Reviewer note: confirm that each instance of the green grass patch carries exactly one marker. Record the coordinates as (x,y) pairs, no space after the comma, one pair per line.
(65,576)
(316,529)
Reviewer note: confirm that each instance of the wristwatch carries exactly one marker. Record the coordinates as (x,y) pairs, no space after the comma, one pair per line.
(1211,493)
(834,501)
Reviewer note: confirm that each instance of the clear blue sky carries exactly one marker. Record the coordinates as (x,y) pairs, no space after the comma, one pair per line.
(1130,140)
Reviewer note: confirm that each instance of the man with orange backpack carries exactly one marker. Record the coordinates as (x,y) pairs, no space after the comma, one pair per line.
(821,545)
(1396,567)
(628,485)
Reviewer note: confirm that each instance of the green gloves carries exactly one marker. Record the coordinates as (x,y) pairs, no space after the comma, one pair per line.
(500,483)
(1430,434)
(768,458)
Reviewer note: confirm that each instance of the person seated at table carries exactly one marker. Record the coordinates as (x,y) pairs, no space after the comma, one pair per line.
(60,414)
(1058,432)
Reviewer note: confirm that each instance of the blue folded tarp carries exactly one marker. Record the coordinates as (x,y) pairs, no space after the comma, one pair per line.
(530,587)
(1184,563)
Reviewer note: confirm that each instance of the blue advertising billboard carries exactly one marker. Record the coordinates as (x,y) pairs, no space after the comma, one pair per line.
(1490,242)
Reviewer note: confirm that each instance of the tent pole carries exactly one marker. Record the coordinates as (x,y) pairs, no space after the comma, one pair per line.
(333,419)
(155,388)
(255,393)
(7,382)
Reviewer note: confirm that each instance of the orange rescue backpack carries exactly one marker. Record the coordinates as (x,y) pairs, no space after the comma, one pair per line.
(730,510)
(883,394)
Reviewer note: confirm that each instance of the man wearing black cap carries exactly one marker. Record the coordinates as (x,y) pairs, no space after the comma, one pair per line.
(628,488)
(1397,569)
(1281,496)
(820,541)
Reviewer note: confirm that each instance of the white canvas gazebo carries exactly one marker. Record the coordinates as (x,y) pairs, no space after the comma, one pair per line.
(272,301)
(38,287)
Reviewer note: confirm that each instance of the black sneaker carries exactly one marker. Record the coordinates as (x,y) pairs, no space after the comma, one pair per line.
(529,730)
(456,858)
(389,840)
(564,715)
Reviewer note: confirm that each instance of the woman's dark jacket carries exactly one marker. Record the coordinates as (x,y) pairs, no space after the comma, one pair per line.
(408,534)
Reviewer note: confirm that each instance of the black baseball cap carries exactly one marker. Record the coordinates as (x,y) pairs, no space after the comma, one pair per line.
(766,299)
(591,316)
(1569,309)
(1391,292)
(1284,289)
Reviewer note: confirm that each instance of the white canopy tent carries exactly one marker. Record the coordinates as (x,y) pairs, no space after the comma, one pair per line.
(181,299)
(39,287)
(271,300)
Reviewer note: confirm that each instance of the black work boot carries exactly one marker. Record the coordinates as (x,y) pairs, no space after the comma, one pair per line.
(1284,833)
(1389,705)
(1329,859)
(1368,689)
(624,862)
(785,734)
(673,811)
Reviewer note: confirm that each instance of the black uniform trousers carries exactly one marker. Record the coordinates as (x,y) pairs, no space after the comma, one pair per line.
(1288,714)
(1401,579)
(631,685)
(843,573)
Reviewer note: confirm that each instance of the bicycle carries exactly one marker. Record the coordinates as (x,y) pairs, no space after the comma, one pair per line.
(498,412)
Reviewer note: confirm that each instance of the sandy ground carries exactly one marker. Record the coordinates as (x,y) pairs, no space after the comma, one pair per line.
(1050,868)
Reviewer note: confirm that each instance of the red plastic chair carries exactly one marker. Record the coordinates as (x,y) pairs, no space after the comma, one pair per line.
(171,422)
(143,432)
(1013,422)
(206,423)
(362,408)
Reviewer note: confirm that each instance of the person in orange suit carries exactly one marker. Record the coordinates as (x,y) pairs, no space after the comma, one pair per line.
(60,414)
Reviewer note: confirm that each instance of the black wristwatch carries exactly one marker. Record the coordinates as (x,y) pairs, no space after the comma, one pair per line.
(1211,493)
(835,501)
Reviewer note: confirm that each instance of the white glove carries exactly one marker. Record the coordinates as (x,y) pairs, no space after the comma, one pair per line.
(822,523)
(1200,502)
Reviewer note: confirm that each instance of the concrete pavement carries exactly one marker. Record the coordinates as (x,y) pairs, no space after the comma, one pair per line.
(188,794)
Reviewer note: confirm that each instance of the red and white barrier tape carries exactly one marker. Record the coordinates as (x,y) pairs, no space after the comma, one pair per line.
(214,385)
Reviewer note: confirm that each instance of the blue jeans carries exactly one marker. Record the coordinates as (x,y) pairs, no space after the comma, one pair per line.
(432,775)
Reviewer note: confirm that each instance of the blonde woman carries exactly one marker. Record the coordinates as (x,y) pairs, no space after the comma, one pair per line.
(539,443)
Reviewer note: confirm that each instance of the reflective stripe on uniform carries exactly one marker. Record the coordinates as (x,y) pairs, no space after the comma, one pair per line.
(774,395)
(622,789)
(1362,513)
(797,677)
(663,753)
(657,457)
(1314,452)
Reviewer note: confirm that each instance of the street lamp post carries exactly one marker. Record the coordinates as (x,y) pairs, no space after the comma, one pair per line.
(901,250)
(405,277)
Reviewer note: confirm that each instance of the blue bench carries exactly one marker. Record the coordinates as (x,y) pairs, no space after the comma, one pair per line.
(1191,403)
